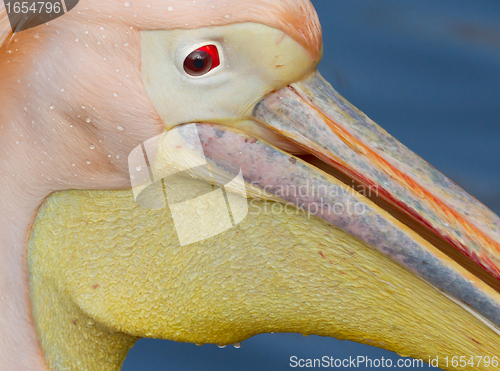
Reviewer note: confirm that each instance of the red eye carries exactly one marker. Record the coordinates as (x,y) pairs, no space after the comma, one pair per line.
(202,60)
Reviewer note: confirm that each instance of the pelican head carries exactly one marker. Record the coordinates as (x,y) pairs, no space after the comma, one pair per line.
(380,247)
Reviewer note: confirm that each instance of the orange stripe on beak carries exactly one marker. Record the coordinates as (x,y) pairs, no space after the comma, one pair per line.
(452,217)
(313,115)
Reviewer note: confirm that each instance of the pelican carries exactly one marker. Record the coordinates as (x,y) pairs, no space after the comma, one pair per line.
(86,269)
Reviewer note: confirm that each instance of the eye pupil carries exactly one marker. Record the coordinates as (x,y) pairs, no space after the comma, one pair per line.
(199,62)
(202,60)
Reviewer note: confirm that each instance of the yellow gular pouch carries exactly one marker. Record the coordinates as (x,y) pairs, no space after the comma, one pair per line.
(105,271)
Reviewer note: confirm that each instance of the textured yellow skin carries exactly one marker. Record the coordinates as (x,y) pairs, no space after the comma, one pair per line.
(105,271)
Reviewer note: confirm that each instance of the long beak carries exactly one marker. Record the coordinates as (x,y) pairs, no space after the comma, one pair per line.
(401,205)
(315,117)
